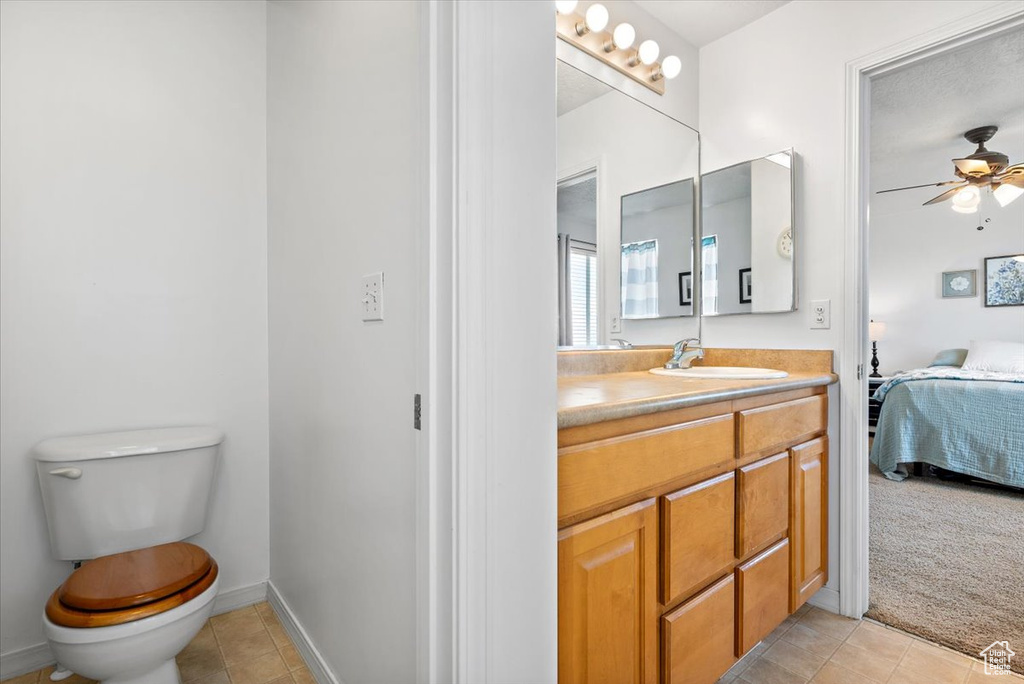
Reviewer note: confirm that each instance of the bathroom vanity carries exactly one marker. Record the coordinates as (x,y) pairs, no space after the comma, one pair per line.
(692,514)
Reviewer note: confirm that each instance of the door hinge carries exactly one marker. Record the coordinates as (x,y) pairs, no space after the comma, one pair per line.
(417,412)
(860,371)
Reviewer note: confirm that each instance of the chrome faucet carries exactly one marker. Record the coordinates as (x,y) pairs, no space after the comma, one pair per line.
(683,355)
(623,344)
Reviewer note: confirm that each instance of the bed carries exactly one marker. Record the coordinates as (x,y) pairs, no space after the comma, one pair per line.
(965,421)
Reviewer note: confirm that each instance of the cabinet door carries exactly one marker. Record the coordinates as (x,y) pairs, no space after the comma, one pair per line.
(809,520)
(608,600)
(697,535)
(762,503)
(697,637)
(762,588)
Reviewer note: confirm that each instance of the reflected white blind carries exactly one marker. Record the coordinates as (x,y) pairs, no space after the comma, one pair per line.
(583,278)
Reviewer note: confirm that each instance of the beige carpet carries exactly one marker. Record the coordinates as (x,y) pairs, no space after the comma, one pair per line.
(947,562)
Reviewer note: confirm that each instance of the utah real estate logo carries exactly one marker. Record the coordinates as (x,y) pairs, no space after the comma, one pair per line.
(997,658)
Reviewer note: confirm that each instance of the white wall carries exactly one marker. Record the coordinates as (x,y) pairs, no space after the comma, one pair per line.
(133,254)
(346,186)
(911,245)
(638,148)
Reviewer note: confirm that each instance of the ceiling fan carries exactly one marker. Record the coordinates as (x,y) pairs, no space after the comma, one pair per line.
(977,171)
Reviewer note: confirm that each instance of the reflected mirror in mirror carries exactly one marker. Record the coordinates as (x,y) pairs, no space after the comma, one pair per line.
(657,252)
(626,217)
(747,238)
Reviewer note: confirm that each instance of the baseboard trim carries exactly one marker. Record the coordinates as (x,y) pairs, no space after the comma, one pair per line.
(39,656)
(314,661)
(26,660)
(826,599)
(241,597)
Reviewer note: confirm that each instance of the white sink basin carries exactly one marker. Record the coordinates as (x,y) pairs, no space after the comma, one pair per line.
(722,373)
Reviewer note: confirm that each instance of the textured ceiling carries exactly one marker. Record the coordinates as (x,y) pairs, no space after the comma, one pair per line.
(576,88)
(578,201)
(700,22)
(920,113)
(678,194)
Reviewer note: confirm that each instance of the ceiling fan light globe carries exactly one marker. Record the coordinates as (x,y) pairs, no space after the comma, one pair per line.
(964,210)
(967,198)
(1006,193)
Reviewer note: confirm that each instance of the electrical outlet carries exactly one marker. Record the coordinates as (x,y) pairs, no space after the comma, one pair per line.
(373,297)
(821,314)
(616,324)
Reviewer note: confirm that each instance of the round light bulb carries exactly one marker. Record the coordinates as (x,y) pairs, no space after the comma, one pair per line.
(566,6)
(648,52)
(623,36)
(967,199)
(671,66)
(596,17)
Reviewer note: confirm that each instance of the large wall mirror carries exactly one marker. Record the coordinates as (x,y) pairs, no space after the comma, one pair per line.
(626,217)
(747,237)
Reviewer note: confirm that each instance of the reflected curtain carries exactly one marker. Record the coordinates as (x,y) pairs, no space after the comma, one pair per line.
(640,279)
(709,270)
(564,292)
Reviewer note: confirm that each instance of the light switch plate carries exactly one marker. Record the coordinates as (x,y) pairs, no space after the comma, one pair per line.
(616,324)
(821,314)
(372,298)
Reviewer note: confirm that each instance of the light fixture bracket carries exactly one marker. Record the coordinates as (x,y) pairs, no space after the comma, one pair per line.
(593,43)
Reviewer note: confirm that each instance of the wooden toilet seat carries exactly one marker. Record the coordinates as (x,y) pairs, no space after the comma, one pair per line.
(133,585)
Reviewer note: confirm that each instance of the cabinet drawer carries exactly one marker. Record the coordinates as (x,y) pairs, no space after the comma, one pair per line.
(762,503)
(614,470)
(769,428)
(762,589)
(696,535)
(697,637)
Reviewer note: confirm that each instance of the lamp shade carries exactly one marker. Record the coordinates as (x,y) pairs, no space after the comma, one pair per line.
(876,331)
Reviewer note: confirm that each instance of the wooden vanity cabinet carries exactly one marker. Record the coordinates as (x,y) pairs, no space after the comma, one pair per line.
(607,598)
(687,537)
(809,520)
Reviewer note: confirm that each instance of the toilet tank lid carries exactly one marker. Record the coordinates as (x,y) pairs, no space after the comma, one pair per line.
(132,443)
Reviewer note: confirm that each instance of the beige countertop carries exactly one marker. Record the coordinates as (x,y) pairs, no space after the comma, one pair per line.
(586,399)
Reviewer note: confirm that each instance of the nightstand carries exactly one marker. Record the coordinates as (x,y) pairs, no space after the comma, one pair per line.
(874,407)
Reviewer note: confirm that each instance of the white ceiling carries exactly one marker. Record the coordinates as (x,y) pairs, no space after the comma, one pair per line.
(920,113)
(701,22)
(576,88)
(578,201)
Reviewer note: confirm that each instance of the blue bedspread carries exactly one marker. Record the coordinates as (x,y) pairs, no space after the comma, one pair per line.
(970,422)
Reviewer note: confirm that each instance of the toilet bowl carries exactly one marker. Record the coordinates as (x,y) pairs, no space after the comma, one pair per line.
(123,618)
(127,500)
(140,652)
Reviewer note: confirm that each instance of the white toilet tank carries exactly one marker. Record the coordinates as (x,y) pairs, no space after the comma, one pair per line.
(121,491)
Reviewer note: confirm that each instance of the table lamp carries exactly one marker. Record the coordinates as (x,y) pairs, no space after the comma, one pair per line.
(876,331)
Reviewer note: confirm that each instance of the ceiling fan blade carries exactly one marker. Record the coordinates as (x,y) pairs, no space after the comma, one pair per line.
(972,167)
(926,185)
(1017,170)
(946,195)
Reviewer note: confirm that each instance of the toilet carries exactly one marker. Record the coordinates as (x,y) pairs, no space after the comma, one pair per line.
(123,503)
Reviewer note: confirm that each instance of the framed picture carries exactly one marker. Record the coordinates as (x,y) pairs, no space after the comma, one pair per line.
(1004,280)
(960,283)
(746,291)
(686,288)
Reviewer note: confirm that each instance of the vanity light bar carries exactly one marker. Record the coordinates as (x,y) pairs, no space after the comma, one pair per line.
(613,45)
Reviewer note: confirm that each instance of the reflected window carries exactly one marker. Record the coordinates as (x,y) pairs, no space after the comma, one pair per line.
(583,285)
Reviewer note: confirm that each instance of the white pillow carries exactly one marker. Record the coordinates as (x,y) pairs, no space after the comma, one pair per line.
(1000,357)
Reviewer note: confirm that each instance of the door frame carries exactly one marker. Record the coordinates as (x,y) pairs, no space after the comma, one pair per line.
(487,488)
(853,477)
